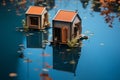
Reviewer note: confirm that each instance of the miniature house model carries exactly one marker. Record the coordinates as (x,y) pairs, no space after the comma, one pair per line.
(66,26)
(37,17)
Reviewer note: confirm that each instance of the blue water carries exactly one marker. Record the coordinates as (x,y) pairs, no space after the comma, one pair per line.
(98,59)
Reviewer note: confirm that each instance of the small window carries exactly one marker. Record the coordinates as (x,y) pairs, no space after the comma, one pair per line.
(34,20)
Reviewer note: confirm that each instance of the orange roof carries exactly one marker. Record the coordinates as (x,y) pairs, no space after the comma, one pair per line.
(35,10)
(64,15)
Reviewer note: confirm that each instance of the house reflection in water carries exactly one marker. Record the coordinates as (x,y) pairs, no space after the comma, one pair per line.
(66,59)
(37,40)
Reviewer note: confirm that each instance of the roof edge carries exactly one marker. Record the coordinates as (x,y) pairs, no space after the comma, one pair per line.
(56,14)
(28,10)
(43,10)
(74,16)
(36,6)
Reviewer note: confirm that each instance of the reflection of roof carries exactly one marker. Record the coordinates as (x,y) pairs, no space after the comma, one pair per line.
(64,15)
(35,10)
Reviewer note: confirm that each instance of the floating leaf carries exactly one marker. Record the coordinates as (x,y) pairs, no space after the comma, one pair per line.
(12,74)
(44,69)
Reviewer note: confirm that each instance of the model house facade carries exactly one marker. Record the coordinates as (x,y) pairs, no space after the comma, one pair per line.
(37,17)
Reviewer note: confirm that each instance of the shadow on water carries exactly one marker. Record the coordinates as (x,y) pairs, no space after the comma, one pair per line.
(65,58)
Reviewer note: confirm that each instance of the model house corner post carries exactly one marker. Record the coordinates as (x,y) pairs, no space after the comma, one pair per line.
(53,34)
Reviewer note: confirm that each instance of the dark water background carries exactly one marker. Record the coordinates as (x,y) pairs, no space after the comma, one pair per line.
(98,59)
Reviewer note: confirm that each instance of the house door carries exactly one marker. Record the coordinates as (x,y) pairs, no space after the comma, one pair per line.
(64,34)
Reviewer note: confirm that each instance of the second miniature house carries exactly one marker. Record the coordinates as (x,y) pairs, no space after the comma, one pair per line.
(66,26)
(37,17)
